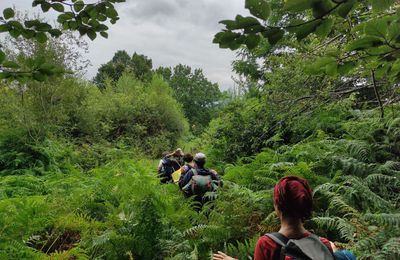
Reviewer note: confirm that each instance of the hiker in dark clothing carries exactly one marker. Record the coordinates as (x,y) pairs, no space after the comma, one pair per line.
(189,164)
(168,164)
(199,180)
(293,202)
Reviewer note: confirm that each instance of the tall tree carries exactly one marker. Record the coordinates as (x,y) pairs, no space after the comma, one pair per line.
(198,96)
(138,64)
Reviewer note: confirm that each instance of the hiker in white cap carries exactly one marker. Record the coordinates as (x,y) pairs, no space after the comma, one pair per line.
(199,180)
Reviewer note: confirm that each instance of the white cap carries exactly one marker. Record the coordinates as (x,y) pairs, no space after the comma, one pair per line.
(200,157)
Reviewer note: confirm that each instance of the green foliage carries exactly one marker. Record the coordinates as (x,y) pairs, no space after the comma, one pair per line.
(330,39)
(139,65)
(199,97)
(87,18)
(131,113)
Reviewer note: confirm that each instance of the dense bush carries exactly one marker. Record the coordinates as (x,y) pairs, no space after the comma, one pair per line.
(141,115)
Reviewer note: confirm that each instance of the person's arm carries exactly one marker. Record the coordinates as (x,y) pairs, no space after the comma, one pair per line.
(184,170)
(160,165)
(216,177)
(186,178)
(222,256)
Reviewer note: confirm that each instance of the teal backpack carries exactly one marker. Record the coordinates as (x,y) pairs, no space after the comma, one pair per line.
(201,183)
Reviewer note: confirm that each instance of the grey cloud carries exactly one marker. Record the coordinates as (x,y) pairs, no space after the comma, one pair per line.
(168,31)
(204,13)
(149,9)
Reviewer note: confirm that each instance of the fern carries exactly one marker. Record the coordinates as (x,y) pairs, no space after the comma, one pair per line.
(345,229)
(385,219)
(359,150)
(390,250)
(242,250)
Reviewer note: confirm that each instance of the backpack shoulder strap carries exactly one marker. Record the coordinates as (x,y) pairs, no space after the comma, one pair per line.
(281,240)
(195,172)
(278,238)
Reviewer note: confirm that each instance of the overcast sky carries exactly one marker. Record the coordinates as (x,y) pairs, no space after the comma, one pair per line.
(167,31)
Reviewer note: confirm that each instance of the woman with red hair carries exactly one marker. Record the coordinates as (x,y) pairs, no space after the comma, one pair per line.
(293,203)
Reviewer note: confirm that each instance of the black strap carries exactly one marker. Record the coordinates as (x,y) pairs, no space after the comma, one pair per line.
(281,240)
(278,238)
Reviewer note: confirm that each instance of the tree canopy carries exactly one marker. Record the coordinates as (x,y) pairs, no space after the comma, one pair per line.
(138,64)
(336,38)
(87,18)
(198,96)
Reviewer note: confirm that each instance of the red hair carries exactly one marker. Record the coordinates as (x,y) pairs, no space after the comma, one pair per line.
(293,197)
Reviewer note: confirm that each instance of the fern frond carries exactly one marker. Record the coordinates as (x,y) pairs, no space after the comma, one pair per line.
(391,168)
(194,231)
(355,190)
(359,150)
(338,205)
(385,219)
(380,179)
(390,250)
(352,166)
(242,250)
(345,229)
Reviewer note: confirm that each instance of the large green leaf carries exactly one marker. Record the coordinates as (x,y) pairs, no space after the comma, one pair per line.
(394,31)
(28,34)
(331,68)
(2,56)
(111,12)
(78,6)
(91,34)
(39,76)
(41,37)
(104,34)
(378,28)
(43,27)
(363,43)
(298,5)
(31,23)
(274,35)
(4,27)
(229,24)
(346,67)
(10,64)
(8,13)
(321,8)
(58,7)
(244,22)
(345,8)
(304,30)
(324,28)
(252,41)
(381,5)
(259,8)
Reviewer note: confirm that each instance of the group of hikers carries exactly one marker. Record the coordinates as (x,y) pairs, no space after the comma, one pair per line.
(193,178)
(293,203)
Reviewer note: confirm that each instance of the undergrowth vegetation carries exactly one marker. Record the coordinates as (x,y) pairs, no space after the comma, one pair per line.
(62,200)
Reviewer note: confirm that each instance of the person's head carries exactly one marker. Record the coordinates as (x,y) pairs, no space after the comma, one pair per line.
(188,158)
(200,159)
(165,153)
(293,198)
(178,152)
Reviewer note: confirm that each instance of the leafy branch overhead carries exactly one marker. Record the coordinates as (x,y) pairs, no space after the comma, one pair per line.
(87,18)
(366,34)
